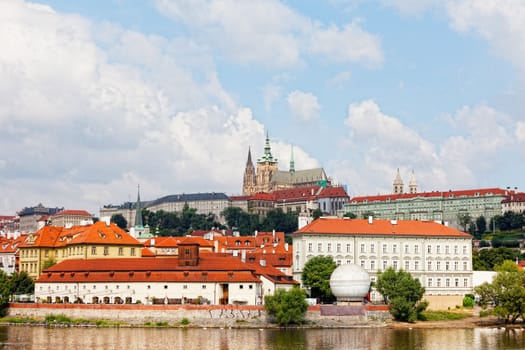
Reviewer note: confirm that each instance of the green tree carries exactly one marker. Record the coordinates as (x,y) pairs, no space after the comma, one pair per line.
(464,220)
(367,214)
(21,283)
(317,213)
(350,215)
(278,220)
(5,292)
(402,293)
(316,276)
(119,220)
(488,259)
(48,263)
(481,226)
(506,293)
(286,307)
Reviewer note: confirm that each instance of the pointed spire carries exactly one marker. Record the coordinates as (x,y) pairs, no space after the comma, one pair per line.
(412,184)
(267,156)
(292,163)
(398,184)
(138,211)
(249,161)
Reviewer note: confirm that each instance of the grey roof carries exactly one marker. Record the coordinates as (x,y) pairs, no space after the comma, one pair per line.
(189,197)
(299,176)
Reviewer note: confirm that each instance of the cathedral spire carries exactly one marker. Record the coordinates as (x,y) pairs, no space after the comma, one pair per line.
(249,160)
(138,211)
(412,185)
(398,184)
(292,162)
(267,156)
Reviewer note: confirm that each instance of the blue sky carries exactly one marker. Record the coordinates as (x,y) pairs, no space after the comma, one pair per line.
(99,96)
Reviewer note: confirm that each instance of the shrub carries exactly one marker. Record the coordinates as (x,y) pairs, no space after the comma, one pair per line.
(286,307)
(468,301)
(185,321)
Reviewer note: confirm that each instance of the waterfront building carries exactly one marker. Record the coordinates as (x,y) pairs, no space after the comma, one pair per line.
(268,178)
(515,202)
(439,256)
(69,218)
(192,277)
(55,244)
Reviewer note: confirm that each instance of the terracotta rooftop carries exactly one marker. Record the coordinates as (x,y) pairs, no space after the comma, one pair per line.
(73,212)
(379,227)
(438,194)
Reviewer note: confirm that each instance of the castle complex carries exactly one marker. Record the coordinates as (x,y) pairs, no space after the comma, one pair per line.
(269,178)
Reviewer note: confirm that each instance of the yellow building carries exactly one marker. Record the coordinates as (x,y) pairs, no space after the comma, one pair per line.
(55,244)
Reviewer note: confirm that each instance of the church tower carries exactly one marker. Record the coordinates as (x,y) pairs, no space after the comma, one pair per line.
(292,163)
(398,184)
(266,167)
(412,185)
(249,182)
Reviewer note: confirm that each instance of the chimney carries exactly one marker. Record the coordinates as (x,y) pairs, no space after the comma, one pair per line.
(243,255)
(152,242)
(286,246)
(107,219)
(262,262)
(255,233)
(370,219)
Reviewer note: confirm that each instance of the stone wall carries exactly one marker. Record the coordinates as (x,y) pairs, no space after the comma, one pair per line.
(198,315)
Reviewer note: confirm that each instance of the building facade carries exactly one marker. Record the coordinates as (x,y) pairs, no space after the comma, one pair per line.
(268,178)
(30,216)
(189,278)
(440,257)
(69,218)
(55,244)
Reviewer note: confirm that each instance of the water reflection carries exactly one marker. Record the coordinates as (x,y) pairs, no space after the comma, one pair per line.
(18,337)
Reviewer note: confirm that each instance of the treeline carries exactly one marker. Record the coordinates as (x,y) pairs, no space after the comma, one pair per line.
(164,223)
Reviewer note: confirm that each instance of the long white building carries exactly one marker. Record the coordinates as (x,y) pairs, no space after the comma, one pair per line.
(439,256)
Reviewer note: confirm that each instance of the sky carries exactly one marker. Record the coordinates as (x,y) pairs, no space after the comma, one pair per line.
(100,96)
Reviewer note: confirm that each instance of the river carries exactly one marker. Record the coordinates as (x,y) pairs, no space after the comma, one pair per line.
(42,338)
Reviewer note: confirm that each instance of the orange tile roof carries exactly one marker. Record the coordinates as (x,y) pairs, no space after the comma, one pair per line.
(380,227)
(439,194)
(47,236)
(262,196)
(73,212)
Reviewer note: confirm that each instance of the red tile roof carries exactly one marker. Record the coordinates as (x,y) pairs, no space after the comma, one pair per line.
(262,196)
(380,227)
(445,194)
(73,212)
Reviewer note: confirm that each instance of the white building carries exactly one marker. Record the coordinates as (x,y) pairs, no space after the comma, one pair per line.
(191,277)
(439,256)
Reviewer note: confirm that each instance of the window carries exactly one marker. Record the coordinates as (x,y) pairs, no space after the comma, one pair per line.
(438,249)
(165,286)
(372,248)
(348,261)
(185,286)
(429,249)
(456,282)
(106,250)
(310,248)
(465,266)
(456,265)
(250,286)
(446,250)
(338,247)
(406,248)
(465,282)
(132,253)
(348,248)
(338,262)
(438,265)
(438,282)
(464,249)
(372,265)
(93,250)
(455,249)
(120,251)
(407,265)
(363,264)
(416,249)
(319,247)
(416,265)
(447,265)
(394,248)
(203,286)
(395,265)
(429,266)
(384,265)
(447,282)
(329,247)
(241,286)
(384,248)
(429,282)
(362,248)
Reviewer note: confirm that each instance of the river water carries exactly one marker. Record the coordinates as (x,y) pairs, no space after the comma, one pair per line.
(42,338)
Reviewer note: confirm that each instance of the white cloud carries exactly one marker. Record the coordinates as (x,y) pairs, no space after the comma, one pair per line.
(303,105)
(340,79)
(500,22)
(520,131)
(377,144)
(268,32)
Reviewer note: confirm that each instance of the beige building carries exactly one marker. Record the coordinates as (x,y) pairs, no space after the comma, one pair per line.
(53,244)
(269,178)
(70,218)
